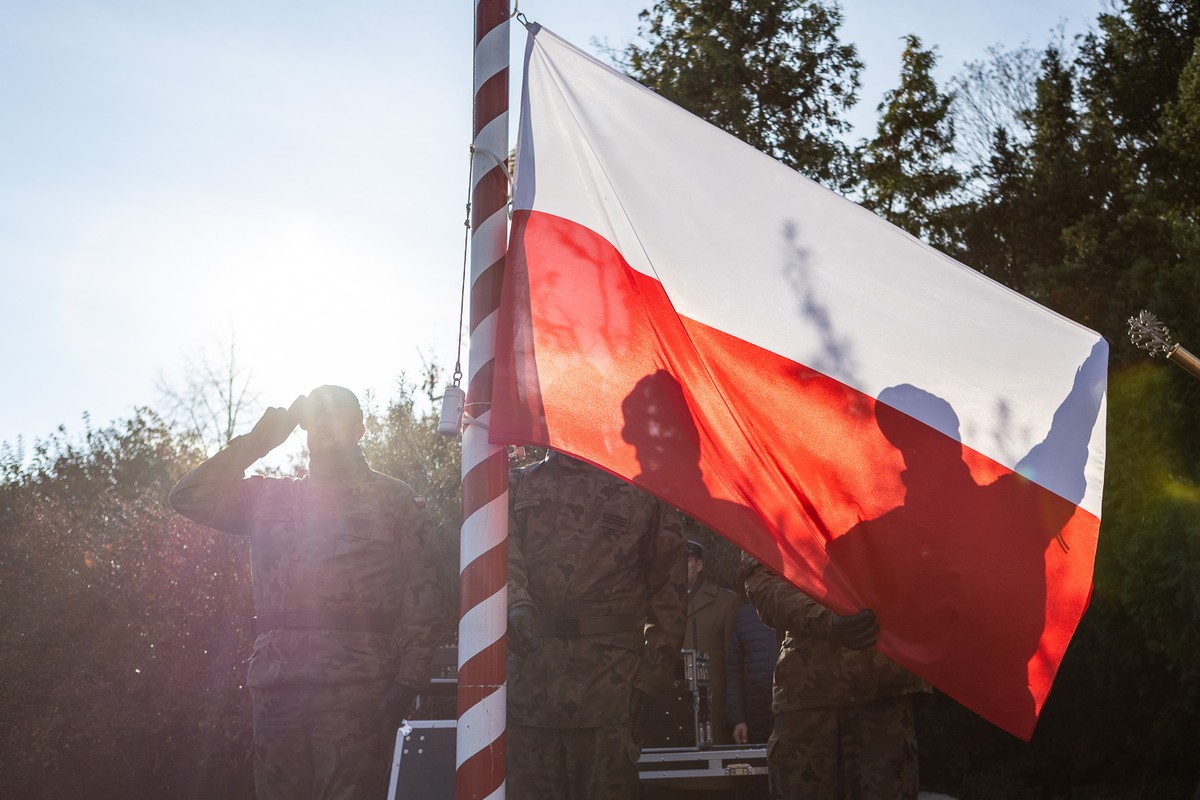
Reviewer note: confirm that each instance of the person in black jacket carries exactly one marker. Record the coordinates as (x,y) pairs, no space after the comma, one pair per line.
(750,664)
(749,672)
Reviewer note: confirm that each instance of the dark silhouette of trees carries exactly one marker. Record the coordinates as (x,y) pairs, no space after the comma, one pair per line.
(907,174)
(125,626)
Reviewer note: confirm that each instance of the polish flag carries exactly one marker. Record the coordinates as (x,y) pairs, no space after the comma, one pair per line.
(883,426)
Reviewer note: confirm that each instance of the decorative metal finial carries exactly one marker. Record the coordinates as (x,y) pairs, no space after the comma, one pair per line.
(1148,333)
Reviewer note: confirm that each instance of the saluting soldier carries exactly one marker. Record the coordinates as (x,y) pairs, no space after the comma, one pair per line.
(345,595)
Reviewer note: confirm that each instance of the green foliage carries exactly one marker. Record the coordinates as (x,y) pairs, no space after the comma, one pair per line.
(137,455)
(908,178)
(771,72)
(1181,135)
(1149,563)
(124,627)
(1016,230)
(991,229)
(1099,213)
(992,95)
(1132,67)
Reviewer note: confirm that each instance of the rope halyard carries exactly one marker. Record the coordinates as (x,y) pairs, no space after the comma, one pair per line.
(450,418)
(462,292)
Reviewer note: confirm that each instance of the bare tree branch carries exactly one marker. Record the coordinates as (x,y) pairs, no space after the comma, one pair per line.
(215,397)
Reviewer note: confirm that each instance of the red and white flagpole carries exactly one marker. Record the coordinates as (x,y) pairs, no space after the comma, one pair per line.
(483,558)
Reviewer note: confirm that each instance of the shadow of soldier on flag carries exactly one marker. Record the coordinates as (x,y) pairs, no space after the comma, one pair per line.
(659,425)
(957,574)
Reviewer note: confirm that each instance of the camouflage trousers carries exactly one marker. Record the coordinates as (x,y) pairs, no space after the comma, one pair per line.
(315,741)
(571,764)
(851,753)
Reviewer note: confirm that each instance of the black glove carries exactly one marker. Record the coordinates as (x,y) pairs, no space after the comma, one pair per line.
(275,425)
(521,639)
(640,706)
(391,712)
(855,632)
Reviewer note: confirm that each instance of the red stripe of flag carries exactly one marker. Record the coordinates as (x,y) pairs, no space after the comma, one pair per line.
(793,467)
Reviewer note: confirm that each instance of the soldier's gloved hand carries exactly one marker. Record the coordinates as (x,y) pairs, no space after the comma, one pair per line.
(275,425)
(521,639)
(391,712)
(856,631)
(640,706)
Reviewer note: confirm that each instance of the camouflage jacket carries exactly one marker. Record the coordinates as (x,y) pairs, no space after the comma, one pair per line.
(360,545)
(584,545)
(813,670)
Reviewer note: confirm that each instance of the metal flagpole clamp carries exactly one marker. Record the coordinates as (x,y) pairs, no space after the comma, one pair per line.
(500,162)
(508,177)
(469,417)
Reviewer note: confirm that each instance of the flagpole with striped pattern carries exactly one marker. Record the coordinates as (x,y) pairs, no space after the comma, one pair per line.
(483,554)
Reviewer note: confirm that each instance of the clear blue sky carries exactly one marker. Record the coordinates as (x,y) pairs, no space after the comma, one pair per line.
(292,173)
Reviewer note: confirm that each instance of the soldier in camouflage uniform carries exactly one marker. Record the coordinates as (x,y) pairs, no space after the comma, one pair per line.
(843,712)
(596,591)
(345,596)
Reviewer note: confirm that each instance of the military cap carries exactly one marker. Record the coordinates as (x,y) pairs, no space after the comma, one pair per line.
(328,398)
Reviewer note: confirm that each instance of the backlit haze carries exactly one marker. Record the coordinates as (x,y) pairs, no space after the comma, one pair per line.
(292,175)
